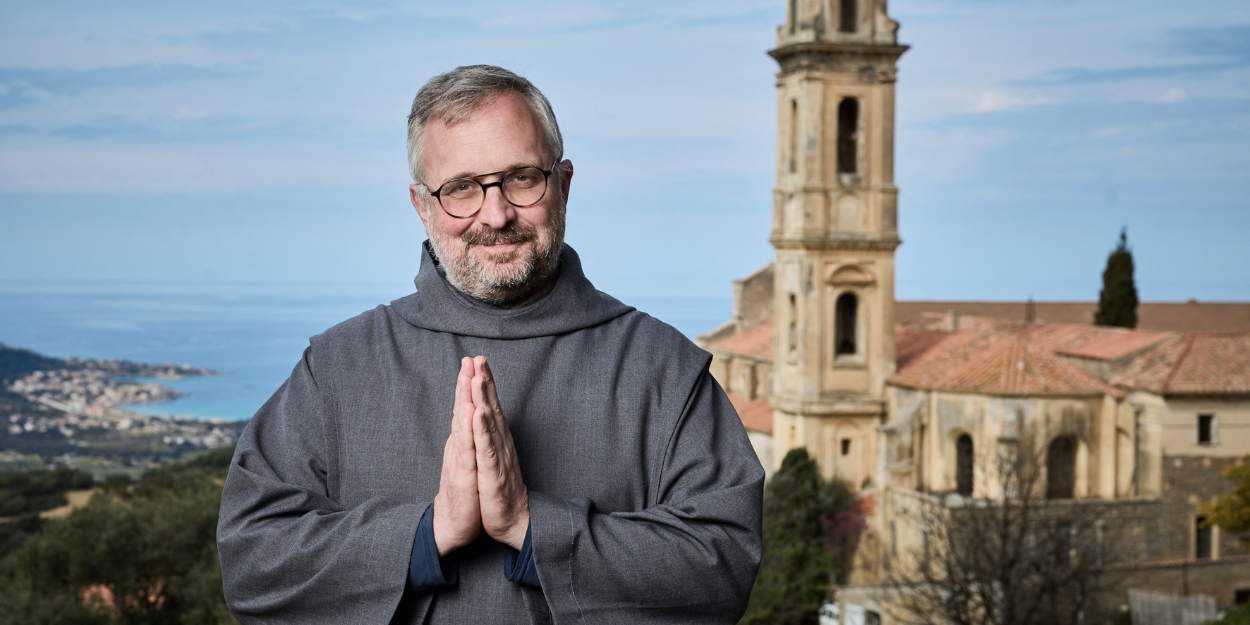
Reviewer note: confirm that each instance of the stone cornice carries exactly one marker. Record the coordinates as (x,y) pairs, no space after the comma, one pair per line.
(830,56)
(835,405)
(834,243)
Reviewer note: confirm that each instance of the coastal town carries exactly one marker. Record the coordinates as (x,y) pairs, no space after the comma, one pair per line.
(75,412)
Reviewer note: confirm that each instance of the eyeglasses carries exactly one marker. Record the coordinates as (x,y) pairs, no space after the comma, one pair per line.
(464,197)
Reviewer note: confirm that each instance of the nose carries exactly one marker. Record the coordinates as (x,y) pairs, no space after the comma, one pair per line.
(496,211)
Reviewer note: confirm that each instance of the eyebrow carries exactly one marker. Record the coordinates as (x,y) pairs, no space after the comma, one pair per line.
(468,174)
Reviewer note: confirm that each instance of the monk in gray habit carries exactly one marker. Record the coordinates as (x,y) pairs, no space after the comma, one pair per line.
(505,445)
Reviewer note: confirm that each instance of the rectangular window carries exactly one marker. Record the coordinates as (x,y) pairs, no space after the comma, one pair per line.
(1206,429)
(1202,538)
(1241,596)
(846,446)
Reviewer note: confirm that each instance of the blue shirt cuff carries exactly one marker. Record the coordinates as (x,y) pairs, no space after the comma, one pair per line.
(424,569)
(520,568)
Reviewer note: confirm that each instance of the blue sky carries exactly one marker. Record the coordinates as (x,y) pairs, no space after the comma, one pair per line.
(242,142)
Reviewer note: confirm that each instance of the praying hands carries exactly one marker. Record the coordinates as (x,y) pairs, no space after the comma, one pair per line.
(480,487)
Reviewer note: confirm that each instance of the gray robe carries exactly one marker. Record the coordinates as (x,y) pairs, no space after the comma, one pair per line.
(644,491)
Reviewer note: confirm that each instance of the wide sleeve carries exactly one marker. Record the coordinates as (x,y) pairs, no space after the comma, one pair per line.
(290,553)
(691,558)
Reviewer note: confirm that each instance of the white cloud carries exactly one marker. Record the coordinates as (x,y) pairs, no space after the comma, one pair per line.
(1172,95)
(186,112)
(992,101)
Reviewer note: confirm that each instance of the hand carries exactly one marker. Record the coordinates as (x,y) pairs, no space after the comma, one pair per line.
(504,500)
(457,514)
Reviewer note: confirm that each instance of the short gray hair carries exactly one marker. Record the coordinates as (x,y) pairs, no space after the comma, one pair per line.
(454,95)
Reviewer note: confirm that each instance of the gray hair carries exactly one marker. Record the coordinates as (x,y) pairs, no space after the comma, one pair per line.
(454,95)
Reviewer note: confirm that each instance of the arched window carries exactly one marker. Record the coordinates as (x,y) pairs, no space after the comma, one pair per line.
(1061,468)
(794,324)
(846,16)
(794,136)
(844,324)
(963,465)
(848,123)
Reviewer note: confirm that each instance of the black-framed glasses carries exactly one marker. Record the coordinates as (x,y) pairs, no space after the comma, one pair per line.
(464,197)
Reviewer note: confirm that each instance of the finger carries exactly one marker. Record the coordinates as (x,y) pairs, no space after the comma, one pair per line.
(492,395)
(484,447)
(478,385)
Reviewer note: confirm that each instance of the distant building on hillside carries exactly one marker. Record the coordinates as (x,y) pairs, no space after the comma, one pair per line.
(899,398)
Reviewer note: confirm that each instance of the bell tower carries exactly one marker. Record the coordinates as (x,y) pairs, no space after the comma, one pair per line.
(835,230)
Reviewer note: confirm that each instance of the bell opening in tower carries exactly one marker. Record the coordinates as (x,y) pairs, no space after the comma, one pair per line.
(844,325)
(848,122)
(846,16)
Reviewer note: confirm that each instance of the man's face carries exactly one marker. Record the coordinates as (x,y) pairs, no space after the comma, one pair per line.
(500,253)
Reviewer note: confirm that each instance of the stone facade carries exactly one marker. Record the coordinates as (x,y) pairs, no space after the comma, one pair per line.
(1133,425)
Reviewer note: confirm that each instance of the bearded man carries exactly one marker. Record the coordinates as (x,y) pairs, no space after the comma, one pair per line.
(505,445)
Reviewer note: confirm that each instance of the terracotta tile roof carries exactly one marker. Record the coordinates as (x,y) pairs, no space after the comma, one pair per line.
(1191,363)
(1008,360)
(1160,316)
(910,342)
(756,415)
(757,340)
(1109,343)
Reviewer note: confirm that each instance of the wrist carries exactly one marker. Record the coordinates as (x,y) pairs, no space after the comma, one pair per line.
(516,537)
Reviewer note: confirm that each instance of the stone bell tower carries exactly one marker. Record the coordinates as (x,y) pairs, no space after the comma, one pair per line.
(835,230)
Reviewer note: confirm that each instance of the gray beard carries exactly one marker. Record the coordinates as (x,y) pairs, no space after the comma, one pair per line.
(538,263)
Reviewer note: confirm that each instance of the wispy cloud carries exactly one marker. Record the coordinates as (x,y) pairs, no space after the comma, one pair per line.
(993,100)
(24,85)
(1224,48)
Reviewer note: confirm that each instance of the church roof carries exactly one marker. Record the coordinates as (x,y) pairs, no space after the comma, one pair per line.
(998,357)
(1011,360)
(756,415)
(1191,363)
(757,340)
(1191,316)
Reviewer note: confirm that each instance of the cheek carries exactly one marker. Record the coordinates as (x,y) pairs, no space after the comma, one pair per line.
(449,227)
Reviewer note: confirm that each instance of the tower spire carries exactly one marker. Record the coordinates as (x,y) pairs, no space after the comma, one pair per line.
(834,230)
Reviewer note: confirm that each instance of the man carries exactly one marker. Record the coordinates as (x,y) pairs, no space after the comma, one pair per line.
(581,466)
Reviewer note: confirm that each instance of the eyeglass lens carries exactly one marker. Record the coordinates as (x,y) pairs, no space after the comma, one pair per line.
(521,187)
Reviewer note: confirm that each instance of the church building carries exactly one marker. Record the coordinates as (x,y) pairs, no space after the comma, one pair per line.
(900,399)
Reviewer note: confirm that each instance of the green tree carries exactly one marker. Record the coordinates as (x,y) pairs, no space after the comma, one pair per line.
(802,514)
(136,553)
(1117,302)
(1232,510)
(1238,616)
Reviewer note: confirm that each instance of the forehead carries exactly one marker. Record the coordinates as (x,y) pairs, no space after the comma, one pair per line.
(501,134)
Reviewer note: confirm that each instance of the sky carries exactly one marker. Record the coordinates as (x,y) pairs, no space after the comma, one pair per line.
(233,142)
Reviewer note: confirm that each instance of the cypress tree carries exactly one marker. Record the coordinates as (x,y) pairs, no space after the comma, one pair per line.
(1117,302)
(800,538)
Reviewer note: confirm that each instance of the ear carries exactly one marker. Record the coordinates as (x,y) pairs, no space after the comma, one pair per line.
(418,202)
(566,177)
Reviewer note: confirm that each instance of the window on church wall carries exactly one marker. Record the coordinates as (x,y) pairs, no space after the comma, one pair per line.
(794,136)
(846,447)
(794,15)
(963,465)
(845,312)
(1061,468)
(846,16)
(1202,538)
(794,324)
(1206,429)
(848,125)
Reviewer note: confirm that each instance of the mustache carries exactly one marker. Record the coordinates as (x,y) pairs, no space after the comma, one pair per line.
(512,233)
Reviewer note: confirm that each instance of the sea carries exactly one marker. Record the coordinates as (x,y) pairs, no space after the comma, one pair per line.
(252,334)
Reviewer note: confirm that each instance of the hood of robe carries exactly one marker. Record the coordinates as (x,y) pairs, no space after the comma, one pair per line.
(572,304)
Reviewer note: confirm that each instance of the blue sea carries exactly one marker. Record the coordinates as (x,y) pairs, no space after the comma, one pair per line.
(253,334)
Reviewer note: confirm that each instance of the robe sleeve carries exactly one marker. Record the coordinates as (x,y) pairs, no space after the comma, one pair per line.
(691,558)
(289,552)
